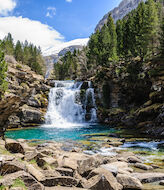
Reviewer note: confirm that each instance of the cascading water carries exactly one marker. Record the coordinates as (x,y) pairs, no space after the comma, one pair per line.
(66,109)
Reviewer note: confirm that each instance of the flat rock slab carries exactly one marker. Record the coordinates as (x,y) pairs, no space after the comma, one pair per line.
(149,177)
(143,166)
(61,181)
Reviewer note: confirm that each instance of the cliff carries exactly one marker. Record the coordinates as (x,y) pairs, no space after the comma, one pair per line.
(119,12)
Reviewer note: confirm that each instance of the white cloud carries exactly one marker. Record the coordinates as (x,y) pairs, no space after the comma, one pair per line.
(69,1)
(51,11)
(33,31)
(37,33)
(6,6)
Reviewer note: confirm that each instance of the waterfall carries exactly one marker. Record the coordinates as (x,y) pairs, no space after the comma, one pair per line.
(68,108)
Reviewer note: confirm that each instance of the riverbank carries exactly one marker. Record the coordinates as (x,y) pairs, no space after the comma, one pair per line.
(48,165)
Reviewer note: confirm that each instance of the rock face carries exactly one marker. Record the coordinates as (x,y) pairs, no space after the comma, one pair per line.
(27,101)
(140,103)
(119,12)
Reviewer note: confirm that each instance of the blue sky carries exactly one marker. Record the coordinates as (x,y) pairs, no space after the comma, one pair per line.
(68,20)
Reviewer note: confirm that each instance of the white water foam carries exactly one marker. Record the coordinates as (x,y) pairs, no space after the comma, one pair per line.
(65,108)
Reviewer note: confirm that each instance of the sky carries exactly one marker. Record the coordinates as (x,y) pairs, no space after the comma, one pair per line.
(52,24)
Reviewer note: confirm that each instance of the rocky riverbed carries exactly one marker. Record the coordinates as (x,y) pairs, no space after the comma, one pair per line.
(37,165)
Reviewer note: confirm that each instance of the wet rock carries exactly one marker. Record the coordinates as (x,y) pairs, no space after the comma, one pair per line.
(11,167)
(28,180)
(103,182)
(14,146)
(129,182)
(149,177)
(143,166)
(60,181)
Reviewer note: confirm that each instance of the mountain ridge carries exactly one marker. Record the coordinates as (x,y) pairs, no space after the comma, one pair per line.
(119,12)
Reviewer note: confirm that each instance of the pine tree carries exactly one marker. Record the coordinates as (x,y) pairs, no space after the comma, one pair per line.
(141,35)
(3,70)
(113,35)
(119,31)
(152,26)
(18,52)
(162,39)
(8,45)
(93,53)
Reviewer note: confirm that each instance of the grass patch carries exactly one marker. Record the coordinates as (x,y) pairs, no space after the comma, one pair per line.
(19,183)
(4,151)
(2,187)
(33,161)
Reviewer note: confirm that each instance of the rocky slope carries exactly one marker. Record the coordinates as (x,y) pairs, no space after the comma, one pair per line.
(26,100)
(46,166)
(119,12)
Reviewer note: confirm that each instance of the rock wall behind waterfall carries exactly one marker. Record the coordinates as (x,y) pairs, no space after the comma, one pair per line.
(132,100)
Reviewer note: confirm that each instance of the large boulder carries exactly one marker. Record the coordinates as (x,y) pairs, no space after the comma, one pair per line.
(86,165)
(118,167)
(30,182)
(129,182)
(103,178)
(11,167)
(14,146)
(31,115)
(102,182)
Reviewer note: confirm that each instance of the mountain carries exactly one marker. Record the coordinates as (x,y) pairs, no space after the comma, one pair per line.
(51,59)
(59,47)
(71,49)
(119,12)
